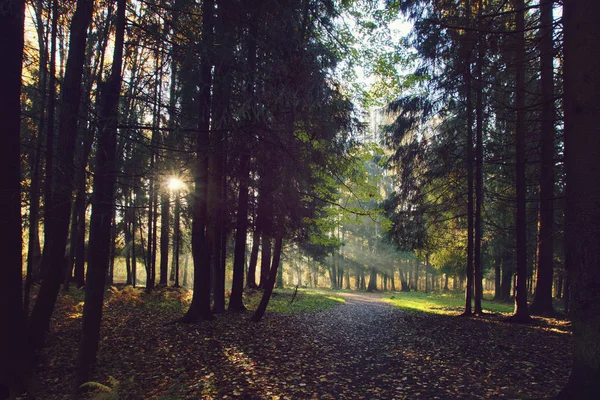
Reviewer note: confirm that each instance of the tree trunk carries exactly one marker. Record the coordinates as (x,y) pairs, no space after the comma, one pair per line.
(176,238)
(50,130)
(165,220)
(521,313)
(497,274)
(265,260)
(372,280)
(582,152)
(507,275)
(34,252)
(202,242)
(251,278)
(270,283)
(237,288)
(470,184)
(222,86)
(57,216)
(417,262)
(478,267)
(12,345)
(542,303)
(102,209)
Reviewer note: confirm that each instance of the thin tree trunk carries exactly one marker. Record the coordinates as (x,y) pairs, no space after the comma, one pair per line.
(165,219)
(521,313)
(50,130)
(102,209)
(57,216)
(542,303)
(478,267)
(417,262)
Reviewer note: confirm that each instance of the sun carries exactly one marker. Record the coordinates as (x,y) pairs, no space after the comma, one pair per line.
(174,183)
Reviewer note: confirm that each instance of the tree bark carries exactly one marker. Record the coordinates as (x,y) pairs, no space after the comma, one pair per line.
(102,209)
(12,345)
(521,313)
(165,219)
(237,288)
(50,130)
(479,121)
(542,303)
(582,152)
(270,283)
(202,238)
(57,216)
(470,188)
(251,278)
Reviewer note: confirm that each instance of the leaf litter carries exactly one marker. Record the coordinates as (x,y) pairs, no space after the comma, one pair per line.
(363,348)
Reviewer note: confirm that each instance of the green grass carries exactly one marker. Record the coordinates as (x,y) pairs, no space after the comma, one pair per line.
(441,303)
(305,301)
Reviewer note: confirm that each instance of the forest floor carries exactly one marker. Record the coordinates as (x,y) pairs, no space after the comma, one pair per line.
(363,348)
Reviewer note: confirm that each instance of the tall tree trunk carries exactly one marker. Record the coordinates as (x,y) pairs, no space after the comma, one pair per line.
(470,185)
(176,237)
(57,216)
(133,226)
(102,209)
(34,252)
(270,283)
(478,267)
(235,300)
(521,313)
(542,303)
(12,345)
(50,130)
(201,236)
(582,152)
(222,86)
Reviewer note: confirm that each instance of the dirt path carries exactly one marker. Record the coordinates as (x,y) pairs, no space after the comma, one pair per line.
(368,349)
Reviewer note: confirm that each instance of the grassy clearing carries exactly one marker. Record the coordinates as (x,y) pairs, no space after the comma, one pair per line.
(304,301)
(176,301)
(441,303)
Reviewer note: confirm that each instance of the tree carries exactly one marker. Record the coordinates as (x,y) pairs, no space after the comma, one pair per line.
(58,214)
(521,312)
(582,152)
(12,346)
(201,240)
(542,303)
(102,208)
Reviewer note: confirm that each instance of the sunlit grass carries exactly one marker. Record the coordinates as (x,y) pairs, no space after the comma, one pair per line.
(283,301)
(441,303)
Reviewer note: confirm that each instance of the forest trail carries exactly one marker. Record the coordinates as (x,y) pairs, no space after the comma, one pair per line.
(364,348)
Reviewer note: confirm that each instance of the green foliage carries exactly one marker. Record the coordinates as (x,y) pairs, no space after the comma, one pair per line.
(102,391)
